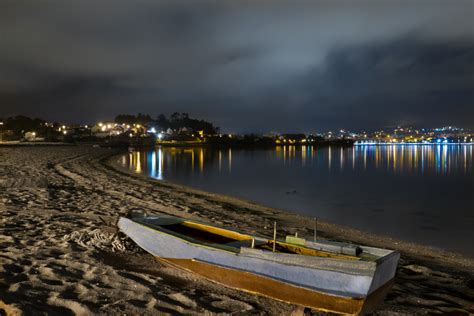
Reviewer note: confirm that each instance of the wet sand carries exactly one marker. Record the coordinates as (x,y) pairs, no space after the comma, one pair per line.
(61,254)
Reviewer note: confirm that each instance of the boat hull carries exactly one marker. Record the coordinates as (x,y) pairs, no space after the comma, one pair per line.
(325,284)
(257,284)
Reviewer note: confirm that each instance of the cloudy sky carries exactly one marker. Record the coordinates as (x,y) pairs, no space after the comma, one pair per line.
(246,65)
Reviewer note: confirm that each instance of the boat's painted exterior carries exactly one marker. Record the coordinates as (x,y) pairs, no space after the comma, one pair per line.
(331,284)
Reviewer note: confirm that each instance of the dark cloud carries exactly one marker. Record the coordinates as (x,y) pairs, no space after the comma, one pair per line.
(403,81)
(249,65)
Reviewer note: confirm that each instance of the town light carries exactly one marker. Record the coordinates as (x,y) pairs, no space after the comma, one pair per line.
(160,136)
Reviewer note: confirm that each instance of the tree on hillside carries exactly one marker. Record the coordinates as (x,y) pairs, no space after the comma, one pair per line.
(176,121)
(20,124)
(162,122)
(140,118)
(125,119)
(143,119)
(180,120)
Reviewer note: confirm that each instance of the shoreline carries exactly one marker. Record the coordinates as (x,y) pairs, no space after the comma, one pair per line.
(329,229)
(62,253)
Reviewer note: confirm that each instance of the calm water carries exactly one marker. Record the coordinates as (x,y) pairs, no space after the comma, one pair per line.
(423,194)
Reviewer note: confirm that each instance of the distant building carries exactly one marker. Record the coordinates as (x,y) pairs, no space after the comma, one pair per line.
(32,137)
(29,136)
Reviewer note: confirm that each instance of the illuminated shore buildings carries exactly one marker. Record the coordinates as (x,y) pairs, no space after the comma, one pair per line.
(409,135)
(34,130)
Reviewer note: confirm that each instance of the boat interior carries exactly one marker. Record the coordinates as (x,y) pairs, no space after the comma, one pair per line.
(229,240)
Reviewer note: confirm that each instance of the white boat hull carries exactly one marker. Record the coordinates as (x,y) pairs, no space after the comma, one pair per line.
(354,280)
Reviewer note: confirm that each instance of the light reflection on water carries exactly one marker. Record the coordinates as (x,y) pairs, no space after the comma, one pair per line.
(397,159)
(422,193)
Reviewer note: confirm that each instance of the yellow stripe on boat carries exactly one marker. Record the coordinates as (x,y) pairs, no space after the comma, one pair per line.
(217,231)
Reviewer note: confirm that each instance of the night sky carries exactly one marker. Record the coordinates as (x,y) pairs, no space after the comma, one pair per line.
(248,66)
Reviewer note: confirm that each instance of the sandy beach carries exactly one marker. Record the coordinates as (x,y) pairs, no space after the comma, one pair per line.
(61,254)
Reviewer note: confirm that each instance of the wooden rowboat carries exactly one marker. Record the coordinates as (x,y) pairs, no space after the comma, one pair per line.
(327,276)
